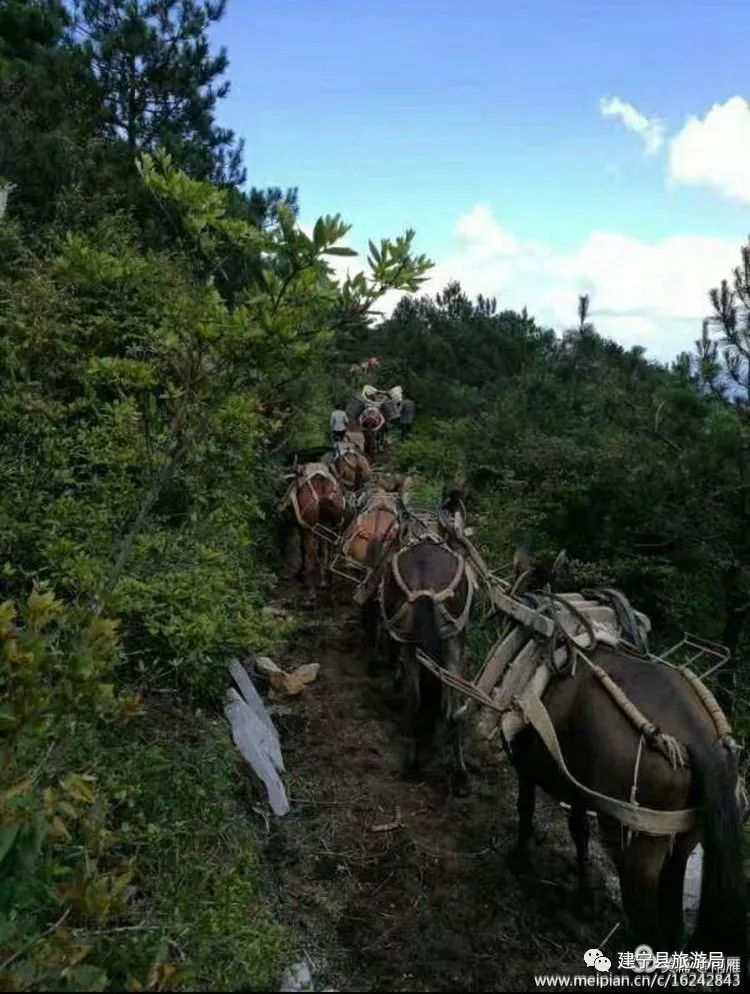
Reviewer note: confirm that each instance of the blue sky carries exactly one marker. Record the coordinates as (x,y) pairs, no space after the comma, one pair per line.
(480,124)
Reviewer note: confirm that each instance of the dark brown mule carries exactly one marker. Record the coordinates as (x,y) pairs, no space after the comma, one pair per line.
(425,597)
(600,746)
(316,508)
(351,467)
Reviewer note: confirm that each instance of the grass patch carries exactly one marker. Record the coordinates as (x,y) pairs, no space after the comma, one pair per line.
(200,912)
(186,809)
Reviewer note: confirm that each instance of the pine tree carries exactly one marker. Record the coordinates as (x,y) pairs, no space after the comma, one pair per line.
(731,307)
(48,103)
(160,81)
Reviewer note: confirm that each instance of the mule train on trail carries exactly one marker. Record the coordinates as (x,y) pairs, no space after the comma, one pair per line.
(319,501)
(581,706)
(416,589)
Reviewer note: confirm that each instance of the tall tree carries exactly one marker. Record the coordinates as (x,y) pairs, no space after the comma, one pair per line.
(47,102)
(731,306)
(161,82)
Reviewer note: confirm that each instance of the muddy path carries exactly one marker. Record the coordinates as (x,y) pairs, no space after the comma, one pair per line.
(392,884)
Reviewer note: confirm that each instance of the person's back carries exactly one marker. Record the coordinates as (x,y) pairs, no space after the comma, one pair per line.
(408,411)
(339,424)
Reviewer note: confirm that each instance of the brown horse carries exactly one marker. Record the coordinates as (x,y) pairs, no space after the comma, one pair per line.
(316,507)
(425,597)
(351,467)
(374,529)
(603,750)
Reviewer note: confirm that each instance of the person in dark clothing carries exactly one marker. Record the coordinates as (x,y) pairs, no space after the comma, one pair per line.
(355,406)
(390,411)
(408,410)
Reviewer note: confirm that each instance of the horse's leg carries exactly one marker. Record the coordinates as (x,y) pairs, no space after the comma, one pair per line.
(395,660)
(310,554)
(413,705)
(519,857)
(302,562)
(640,866)
(323,563)
(671,886)
(578,823)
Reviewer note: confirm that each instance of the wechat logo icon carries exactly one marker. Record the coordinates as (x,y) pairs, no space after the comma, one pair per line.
(597,959)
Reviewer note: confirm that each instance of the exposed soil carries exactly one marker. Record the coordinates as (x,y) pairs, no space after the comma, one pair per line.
(430,905)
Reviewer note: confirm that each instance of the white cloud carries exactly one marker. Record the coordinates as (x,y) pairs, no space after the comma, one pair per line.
(649,293)
(715,151)
(650,129)
(481,235)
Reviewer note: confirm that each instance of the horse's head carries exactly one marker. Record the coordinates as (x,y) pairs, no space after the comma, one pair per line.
(453,505)
(531,573)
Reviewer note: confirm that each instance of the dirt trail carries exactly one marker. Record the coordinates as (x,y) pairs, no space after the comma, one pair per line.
(430,905)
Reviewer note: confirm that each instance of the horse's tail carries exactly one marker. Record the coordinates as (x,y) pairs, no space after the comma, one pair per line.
(428,638)
(721,913)
(426,628)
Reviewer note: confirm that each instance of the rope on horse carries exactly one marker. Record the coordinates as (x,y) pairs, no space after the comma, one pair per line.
(632,815)
(672,750)
(629,813)
(721,724)
(459,683)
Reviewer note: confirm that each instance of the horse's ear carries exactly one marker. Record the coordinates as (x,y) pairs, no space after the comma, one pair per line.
(560,560)
(521,560)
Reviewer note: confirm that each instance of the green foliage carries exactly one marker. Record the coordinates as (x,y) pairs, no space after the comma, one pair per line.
(577,444)
(159,82)
(153,361)
(181,800)
(48,102)
(54,841)
(129,861)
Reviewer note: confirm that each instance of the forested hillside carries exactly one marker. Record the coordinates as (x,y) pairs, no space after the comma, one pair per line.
(161,328)
(168,335)
(638,471)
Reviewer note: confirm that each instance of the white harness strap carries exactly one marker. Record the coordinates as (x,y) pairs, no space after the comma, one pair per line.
(453,625)
(630,814)
(311,471)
